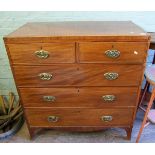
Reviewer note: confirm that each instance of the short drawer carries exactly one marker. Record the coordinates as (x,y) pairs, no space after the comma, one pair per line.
(113,52)
(78,75)
(79,97)
(42,53)
(67,117)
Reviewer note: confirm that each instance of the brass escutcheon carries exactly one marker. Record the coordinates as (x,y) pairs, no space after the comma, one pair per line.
(111,76)
(45,76)
(106,118)
(112,53)
(52,118)
(49,98)
(42,54)
(109,98)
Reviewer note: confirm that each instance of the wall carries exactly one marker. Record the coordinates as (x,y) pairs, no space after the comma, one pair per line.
(9,21)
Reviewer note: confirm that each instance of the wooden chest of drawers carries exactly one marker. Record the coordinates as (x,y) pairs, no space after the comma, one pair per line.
(81,76)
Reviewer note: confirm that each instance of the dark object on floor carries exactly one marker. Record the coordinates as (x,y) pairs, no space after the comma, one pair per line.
(11,116)
(13,130)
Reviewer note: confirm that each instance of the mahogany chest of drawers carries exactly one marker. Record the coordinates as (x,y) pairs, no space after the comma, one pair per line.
(79,76)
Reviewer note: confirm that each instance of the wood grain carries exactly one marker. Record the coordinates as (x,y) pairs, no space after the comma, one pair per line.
(78,117)
(130,52)
(77,31)
(79,97)
(78,75)
(58,53)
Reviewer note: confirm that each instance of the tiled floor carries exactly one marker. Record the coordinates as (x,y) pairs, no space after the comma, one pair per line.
(107,136)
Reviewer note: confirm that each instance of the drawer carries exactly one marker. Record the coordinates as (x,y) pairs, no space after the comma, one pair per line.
(67,117)
(78,75)
(79,97)
(113,52)
(42,53)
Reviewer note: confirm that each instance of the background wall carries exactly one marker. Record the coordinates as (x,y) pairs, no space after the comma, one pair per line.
(9,21)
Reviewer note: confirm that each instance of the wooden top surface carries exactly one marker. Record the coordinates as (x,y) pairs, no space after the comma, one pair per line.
(79,29)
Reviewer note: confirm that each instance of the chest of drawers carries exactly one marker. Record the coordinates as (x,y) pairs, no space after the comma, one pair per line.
(80,76)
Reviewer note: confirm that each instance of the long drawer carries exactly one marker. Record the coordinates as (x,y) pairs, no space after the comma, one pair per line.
(42,53)
(98,97)
(66,117)
(112,52)
(78,75)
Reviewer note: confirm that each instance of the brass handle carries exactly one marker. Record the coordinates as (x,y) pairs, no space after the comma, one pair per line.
(111,76)
(52,118)
(49,98)
(42,54)
(109,98)
(112,53)
(106,118)
(45,76)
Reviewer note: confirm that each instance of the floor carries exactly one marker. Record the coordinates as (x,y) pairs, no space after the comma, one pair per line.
(107,136)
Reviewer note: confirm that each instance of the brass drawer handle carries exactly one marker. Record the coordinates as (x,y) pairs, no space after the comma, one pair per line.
(109,98)
(112,53)
(45,76)
(111,76)
(52,119)
(106,118)
(49,98)
(42,54)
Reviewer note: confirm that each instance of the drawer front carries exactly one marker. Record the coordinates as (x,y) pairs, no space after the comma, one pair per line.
(42,53)
(78,75)
(79,97)
(110,52)
(78,117)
